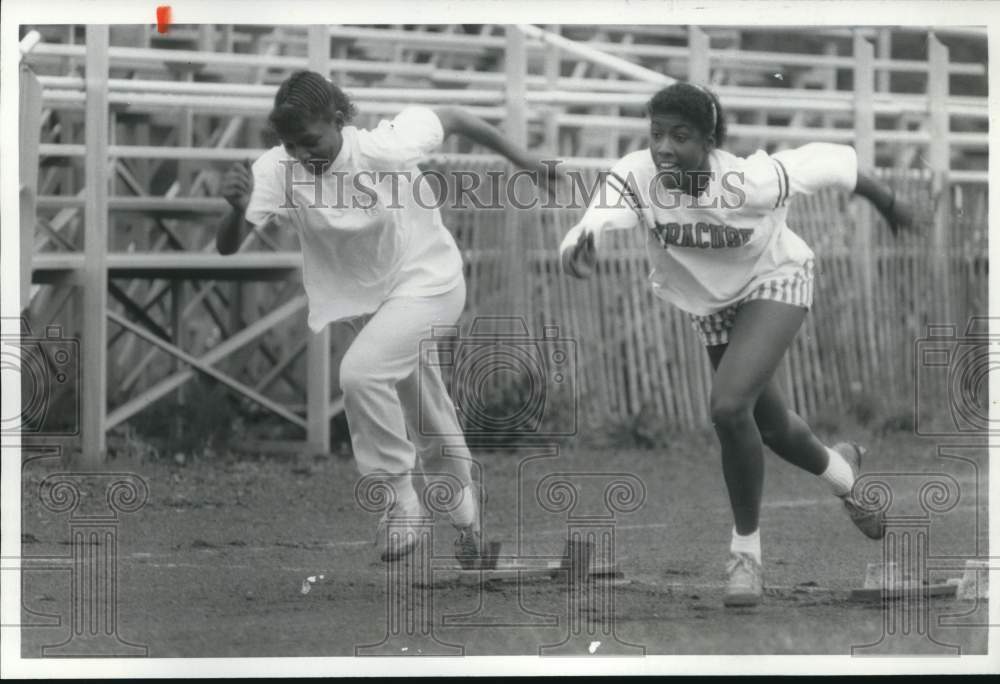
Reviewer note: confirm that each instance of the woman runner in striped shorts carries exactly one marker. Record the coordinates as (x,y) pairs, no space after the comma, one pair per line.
(721,250)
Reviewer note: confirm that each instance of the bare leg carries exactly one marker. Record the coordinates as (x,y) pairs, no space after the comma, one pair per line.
(782,429)
(761,333)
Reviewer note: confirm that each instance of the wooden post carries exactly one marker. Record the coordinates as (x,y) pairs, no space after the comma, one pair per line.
(516,125)
(864,143)
(185,138)
(319,49)
(206,38)
(614,137)
(228,44)
(29,115)
(177,324)
(318,354)
(829,79)
(177,337)
(553,63)
(340,51)
(883,80)
(93,391)
(698,62)
(940,158)
(516,68)
(318,391)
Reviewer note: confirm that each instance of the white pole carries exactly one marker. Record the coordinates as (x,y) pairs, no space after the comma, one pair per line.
(318,353)
(94,352)
(29,42)
(622,66)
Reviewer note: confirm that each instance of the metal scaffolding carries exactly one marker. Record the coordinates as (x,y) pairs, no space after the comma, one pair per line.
(576,91)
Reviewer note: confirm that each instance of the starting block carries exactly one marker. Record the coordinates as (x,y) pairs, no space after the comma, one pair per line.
(576,561)
(886,582)
(974,583)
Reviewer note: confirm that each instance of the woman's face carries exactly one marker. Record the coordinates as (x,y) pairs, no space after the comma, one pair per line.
(678,148)
(317,145)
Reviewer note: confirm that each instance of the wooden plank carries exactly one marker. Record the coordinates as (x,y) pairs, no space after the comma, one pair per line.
(600,58)
(637,286)
(318,353)
(908,593)
(553,65)
(698,62)
(318,390)
(938,89)
(548,89)
(278,368)
(28,121)
(516,128)
(319,49)
(626,123)
(623,326)
(864,127)
(95,275)
(177,206)
(516,68)
(884,51)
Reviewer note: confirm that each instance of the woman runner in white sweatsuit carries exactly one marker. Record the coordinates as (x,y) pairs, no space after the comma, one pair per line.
(375,253)
(720,249)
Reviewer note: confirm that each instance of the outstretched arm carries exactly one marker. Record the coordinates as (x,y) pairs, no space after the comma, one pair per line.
(896,212)
(617,207)
(457,120)
(812,167)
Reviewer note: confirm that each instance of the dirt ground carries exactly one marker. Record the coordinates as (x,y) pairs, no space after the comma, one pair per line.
(213,563)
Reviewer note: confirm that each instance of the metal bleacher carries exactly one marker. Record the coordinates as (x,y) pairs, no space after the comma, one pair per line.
(156,119)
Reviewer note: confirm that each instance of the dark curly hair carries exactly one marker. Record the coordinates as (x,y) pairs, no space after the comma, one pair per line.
(698,105)
(304,97)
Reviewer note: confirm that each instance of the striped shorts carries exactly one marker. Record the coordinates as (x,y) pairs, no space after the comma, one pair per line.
(796,290)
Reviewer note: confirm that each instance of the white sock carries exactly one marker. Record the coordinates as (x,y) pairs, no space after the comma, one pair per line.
(838,474)
(467,511)
(746,544)
(406,496)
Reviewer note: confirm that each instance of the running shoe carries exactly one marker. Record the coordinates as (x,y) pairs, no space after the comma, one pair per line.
(746,581)
(870,522)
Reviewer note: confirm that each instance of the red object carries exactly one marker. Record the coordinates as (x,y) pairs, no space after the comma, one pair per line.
(163,18)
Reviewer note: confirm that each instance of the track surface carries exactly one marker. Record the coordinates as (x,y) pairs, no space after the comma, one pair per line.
(213,564)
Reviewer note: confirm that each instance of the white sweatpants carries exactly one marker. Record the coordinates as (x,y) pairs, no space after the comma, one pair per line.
(388,393)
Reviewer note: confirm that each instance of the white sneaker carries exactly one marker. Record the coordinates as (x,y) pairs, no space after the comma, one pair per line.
(469,546)
(746,581)
(870,522)
(399,530)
